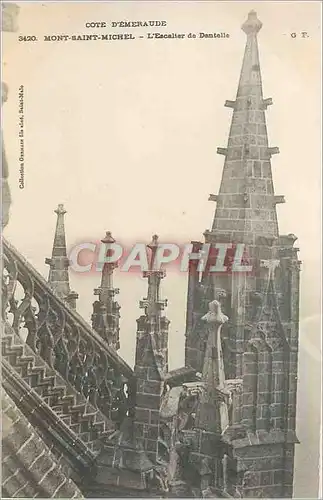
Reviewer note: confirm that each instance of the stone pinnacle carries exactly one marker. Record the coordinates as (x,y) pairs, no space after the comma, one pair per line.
(60,210)
(108,238)
(252,25)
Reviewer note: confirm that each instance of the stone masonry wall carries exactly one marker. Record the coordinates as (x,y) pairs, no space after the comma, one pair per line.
(268,474)
(28,467)
(150,384)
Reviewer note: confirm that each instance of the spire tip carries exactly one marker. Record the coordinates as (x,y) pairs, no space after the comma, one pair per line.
(108,238)
(60,210)
(252,25)
(154,242)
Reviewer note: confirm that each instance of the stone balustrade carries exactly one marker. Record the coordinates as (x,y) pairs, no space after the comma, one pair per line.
(62,338)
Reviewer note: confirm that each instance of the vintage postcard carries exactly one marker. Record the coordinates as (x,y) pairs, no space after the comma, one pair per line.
(161,249)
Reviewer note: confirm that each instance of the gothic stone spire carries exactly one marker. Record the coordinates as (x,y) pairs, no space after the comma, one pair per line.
(213,411)
(152,304)
(260,343)
(151,358)
(156,323)
(105,317)
(246,204)
(58,278)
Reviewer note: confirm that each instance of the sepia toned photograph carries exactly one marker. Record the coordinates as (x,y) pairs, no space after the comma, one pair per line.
(161,249)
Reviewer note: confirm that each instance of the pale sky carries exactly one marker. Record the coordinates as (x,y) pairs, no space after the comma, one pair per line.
(124,133)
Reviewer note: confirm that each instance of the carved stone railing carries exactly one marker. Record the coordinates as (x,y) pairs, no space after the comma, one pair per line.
(63,339)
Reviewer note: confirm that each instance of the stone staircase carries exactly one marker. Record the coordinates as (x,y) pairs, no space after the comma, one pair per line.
(63,377)
(86,422)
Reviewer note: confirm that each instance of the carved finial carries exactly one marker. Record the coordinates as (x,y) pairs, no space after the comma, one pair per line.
(154,242)
(108,238)
(153,246)
(58,277)
(60,210)
(215,314)
(105,317)
(252,24)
